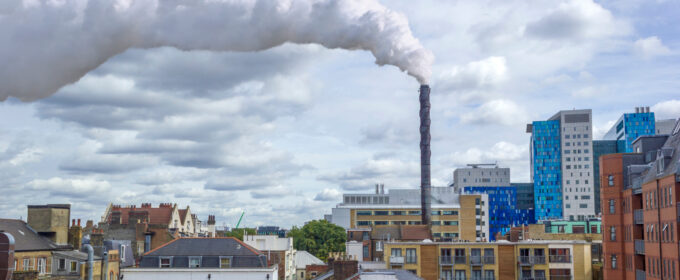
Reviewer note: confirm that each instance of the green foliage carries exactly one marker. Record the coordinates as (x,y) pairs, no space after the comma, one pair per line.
(319,237)
(238,233)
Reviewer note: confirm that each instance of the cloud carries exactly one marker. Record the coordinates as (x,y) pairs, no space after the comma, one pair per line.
(328,195)
(669,109)
(577,20)
(391,171)
(590,91)
(480,75)
(271,192)
(650,47)
(499,111)
(58,186)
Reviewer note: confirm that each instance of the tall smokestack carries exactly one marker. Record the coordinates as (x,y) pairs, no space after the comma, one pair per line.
(425,187)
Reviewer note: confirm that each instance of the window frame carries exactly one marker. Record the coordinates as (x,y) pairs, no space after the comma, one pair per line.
(160,262)
(226,258)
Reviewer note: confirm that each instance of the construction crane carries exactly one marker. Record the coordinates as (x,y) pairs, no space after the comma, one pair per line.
(239,220)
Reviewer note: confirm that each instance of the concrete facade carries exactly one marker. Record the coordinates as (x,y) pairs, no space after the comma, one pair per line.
(481,175)
(51,221)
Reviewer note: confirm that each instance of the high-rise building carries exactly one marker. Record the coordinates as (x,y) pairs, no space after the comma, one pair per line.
(630,126)
(640,211)
(503,211)
(562,166)
(525,195)
(600,148)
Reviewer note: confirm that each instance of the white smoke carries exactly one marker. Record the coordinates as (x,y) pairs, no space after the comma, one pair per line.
(47,44)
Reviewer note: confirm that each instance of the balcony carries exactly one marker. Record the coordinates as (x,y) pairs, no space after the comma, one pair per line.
(538,260)
(560,259)
(525,260)
(396,260)
(460,260)
(639,247)
(638,217)
(561,277)
(445,260)
(475,260)
(640,274)
(637,185)
(489,259)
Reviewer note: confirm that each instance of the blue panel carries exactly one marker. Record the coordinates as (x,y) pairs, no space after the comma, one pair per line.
(636,125)
(502,208)
(547,169)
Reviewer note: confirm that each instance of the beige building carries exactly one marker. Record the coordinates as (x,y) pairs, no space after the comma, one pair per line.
(540,260)
(454,216)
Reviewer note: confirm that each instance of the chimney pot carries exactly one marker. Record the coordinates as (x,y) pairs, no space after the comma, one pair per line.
(73,222)
(78,222)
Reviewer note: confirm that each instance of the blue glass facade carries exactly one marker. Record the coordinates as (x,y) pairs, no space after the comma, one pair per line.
(600,148)
(636,125)
(503,212)
(547,169)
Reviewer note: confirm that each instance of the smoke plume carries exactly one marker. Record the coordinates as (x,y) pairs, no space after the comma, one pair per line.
(47,44)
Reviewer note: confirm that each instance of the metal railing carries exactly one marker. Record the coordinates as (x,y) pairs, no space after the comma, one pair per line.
(460,259)
(396,259)
(639,247)
(640,274)
(475,260)
(489,259)
(525,260)
(538,260)
(560,259)
(638,216)
(446,260)
(637,185)
(560,277)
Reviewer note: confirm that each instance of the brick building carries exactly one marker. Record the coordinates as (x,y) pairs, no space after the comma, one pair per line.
(640,211)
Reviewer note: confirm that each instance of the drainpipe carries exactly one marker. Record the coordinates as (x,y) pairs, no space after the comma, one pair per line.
(105,271)
(90,260)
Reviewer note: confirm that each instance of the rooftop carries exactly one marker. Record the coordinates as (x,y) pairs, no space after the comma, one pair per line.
(203,246)
(25,238)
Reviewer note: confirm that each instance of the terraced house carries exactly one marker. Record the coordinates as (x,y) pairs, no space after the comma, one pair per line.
(454,216)
(537,260)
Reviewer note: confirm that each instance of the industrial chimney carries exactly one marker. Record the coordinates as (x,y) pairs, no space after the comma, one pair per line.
(425,187)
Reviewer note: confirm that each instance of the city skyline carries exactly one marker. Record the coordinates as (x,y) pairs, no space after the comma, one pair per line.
(281,134)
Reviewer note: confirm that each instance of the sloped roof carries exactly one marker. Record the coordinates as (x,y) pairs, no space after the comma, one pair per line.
(304,258)
(160,215)
(673,142)
(202,246)
(415,232)
(25,238)
(182,215)
(386,232)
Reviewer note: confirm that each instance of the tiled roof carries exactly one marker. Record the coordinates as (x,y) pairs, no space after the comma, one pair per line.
(183,214)
(161,215)
(415,232)
(390,232)
(25,238)
(199,246)
(673,166)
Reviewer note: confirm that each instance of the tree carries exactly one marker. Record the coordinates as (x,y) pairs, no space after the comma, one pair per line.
(319,238)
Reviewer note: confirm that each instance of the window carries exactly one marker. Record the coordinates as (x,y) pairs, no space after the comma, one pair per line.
(396,252)
(613,261)
(411,256)
(61,265)
(381,213)
(26,264)
(363,213)
(74,266)
(583,205)
(476,274)
(459,275)
(41,265)
(378,246)
(123,248)
(447,274)
(612,206)
(194,262)
(365,236)
(610,180)
(225,262)
(366,251)
(612,233)
(166,262)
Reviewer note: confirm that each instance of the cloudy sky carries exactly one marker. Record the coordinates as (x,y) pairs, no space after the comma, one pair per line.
(282,133)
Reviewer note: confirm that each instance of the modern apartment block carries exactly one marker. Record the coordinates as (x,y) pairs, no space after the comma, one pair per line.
(600,148)
(562,166)
(454,216)
(503,211)
(525,195)
(630,126)
(640,211)
(481,175)
(538,259)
